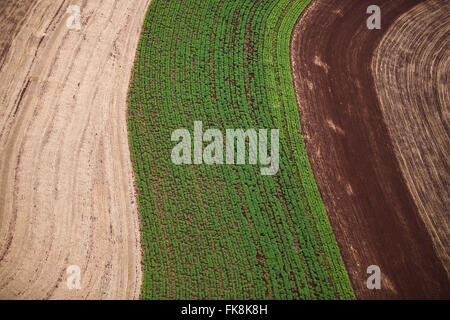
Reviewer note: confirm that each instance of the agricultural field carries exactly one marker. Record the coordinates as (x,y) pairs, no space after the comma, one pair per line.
(225,231)
(373,113)
(224,149)
(66,178)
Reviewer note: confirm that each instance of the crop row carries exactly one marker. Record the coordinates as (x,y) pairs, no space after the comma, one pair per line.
(225,231)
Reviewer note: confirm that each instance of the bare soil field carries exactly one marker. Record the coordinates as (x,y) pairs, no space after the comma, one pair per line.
(411,68)
(66,180)
(12,15)
(374,217)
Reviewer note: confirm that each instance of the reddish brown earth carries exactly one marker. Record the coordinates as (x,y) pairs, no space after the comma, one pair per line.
(373,215)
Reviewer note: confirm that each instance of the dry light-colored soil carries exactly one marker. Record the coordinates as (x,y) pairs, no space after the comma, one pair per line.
(66,184)
(411,68)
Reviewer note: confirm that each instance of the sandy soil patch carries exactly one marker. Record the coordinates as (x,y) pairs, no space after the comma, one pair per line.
(411,68)
(66,181)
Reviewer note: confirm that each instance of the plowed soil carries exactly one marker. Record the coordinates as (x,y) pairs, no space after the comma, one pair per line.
(66,184)
(411,69)
(373,215)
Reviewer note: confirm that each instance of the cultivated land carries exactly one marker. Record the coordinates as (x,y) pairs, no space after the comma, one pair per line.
(365,190)
(66,187)
(411,71)
(372,107)
(225,231)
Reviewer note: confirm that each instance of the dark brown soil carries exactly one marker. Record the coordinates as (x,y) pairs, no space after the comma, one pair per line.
(373,215)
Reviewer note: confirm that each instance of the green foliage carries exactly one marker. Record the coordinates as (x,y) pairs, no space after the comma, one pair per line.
(225,231)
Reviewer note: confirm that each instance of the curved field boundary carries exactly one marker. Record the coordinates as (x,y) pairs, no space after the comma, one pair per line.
(225,231)
(66,180)
(411,69)
(374,218)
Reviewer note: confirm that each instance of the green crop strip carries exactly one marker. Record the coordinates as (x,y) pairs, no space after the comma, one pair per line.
(225,231)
